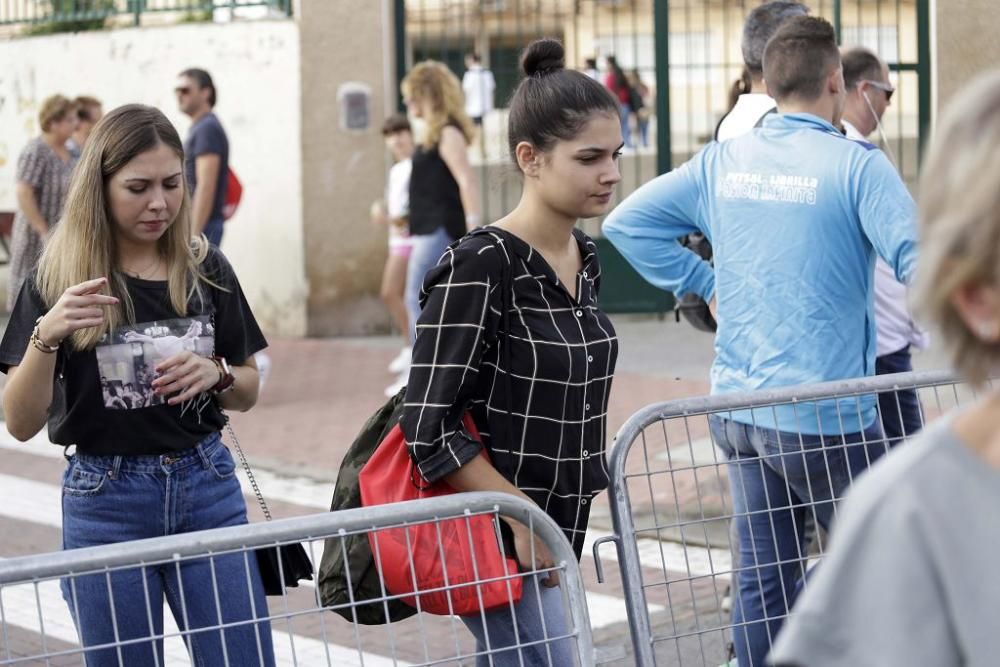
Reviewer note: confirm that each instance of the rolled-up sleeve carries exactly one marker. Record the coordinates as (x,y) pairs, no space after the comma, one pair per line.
(461,311)
(645,229)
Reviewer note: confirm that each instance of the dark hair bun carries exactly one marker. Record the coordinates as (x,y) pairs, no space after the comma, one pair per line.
(543,56)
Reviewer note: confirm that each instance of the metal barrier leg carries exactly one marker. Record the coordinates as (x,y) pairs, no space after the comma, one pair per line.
(630,567)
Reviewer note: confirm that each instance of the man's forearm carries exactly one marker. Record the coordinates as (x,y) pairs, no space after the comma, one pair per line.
(201,209)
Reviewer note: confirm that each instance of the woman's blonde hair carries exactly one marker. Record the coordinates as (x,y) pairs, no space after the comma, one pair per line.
(84,244)
(432,82)
(960,220)
(54,109)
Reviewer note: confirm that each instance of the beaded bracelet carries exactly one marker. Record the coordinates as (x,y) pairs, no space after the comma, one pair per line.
(38,343)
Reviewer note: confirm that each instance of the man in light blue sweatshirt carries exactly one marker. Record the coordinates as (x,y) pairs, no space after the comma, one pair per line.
(795,213)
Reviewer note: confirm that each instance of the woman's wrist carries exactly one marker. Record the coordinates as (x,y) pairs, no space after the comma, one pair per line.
(227,380)
(45,333)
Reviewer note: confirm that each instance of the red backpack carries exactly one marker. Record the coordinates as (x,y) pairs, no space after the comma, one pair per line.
(234,193)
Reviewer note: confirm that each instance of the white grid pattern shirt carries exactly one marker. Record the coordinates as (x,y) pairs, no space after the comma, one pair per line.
(562,359)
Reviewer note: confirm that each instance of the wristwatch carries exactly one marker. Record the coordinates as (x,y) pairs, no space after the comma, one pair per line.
(227,381)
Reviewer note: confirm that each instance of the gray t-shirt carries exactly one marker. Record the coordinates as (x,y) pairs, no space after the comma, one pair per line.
(911,577)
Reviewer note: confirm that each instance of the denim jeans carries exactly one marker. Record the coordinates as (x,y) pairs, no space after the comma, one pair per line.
(540,615)
(427,250)
(899,410)
(625,111)
(113,499)
(776,480)
(213,232)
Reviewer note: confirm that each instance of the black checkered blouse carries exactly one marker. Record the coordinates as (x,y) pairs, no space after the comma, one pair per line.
(562,359)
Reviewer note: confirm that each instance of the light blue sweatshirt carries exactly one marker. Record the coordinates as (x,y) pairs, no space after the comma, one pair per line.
(795,213)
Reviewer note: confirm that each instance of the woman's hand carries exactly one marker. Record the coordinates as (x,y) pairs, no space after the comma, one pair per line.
(79,307)
(524,542)
(186,374)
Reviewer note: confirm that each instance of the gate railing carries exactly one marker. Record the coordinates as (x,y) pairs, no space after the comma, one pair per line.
(671,504)
(36,625)
(73,15)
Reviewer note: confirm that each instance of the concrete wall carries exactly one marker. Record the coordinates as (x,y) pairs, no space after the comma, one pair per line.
(965,43)
(343,171)
(256,69)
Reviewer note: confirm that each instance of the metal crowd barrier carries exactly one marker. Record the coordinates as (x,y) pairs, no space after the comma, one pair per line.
(672,508)
(36,626)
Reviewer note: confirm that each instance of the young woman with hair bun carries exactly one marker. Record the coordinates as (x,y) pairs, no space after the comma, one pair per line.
(535,378)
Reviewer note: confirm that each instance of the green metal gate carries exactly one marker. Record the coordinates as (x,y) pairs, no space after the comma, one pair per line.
(686,51)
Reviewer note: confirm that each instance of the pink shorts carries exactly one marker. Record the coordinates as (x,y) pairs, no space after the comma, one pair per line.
(400,243)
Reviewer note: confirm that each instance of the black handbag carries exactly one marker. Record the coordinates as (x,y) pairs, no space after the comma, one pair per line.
(691,306)
(281,566)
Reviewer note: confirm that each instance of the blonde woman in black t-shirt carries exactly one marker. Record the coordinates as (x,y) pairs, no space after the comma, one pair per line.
(84,351)
(444,194)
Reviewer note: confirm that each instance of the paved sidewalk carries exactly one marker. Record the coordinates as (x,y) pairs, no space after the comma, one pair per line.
(320,391)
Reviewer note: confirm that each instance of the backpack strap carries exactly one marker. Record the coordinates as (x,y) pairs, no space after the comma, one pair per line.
(506,290)
(760,121)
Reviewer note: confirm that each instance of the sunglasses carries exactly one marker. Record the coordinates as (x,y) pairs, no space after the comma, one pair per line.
(886,88)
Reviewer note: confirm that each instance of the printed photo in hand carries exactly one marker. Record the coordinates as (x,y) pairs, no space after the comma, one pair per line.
(127,357)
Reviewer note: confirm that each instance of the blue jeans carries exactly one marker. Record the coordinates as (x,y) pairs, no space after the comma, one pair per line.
(427,250)
(776,479)
(643,125)
(113,499)
(539,616)
(899,410)
(213,232)
(625,111)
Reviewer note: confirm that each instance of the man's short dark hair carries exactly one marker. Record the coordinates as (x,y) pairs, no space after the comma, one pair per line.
(397,122)
(204,80)
(760,26)
(799,58)
(860,64)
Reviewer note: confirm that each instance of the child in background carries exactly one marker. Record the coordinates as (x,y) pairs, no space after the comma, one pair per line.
(394,211)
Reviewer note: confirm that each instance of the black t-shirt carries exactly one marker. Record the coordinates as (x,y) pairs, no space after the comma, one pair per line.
(102,398)
(435,199)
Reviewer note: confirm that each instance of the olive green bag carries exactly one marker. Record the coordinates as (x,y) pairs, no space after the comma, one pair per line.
(347,572)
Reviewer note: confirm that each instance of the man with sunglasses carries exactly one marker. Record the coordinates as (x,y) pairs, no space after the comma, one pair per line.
(869,93)
(206,153)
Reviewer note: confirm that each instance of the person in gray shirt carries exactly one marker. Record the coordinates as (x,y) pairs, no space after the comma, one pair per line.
(911,576)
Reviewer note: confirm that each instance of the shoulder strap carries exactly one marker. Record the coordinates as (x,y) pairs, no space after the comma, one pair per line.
(506,303)
(760,121)
(246,467)
(715,135)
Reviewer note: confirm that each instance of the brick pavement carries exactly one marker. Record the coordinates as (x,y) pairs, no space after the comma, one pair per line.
(320,392)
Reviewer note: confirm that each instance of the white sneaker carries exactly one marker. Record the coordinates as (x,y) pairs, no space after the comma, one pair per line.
(400,382)
(401,362)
